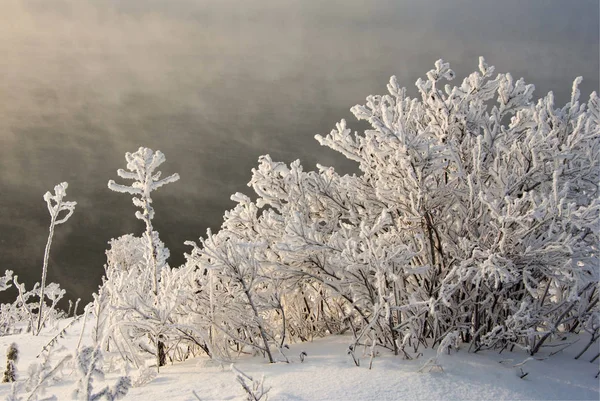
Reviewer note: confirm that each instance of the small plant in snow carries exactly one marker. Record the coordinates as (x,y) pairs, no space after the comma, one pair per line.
(143,376)
(254,389)
(23,310)
(39,376)
(7,311)
(61,334)
(519,366)
(433,364)
(89,364)
(54,294)
(12,357)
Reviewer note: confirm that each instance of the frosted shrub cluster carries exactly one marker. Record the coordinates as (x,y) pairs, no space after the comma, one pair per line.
(30,311)
(474,219)
(475,215)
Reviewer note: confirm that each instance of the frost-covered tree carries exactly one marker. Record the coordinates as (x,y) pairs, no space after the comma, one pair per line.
(137,266)
(56,204)
(142,165)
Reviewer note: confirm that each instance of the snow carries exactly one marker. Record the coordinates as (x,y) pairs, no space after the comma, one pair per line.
(328,373)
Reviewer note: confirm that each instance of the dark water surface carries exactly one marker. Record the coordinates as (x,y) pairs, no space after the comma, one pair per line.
(214,84)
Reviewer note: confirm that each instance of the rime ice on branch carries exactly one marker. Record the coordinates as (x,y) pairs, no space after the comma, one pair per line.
(55,204)
(141,166)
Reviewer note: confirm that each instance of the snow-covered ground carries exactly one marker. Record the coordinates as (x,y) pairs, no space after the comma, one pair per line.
(328,373)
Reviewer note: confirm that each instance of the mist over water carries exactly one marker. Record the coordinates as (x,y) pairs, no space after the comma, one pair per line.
(214,84)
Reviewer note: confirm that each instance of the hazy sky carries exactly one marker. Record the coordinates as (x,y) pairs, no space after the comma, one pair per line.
(214,84)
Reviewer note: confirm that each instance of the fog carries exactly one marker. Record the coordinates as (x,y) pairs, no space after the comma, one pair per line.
(214,84)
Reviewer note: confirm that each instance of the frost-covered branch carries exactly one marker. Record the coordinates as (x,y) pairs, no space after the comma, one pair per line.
(56,204)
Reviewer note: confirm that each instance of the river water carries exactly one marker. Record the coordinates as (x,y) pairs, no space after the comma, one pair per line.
(214,84)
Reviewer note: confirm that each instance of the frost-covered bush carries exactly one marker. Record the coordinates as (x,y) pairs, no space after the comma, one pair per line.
(30,307)
(234,273)
(125,264)
(246,298)
(132,320)
(138,305)
(475,215)
(23,314)
(8,313)
(496,201)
